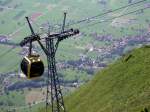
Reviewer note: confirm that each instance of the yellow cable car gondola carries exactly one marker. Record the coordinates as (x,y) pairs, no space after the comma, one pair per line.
(32,66)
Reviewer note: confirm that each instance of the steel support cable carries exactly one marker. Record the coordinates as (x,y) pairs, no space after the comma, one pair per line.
(82,27)
(102,14)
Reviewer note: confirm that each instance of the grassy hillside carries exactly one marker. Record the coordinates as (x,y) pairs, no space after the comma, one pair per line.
(122,87)
(13,23)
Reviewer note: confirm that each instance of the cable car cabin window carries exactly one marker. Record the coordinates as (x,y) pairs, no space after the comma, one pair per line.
(37,69)
(24,66)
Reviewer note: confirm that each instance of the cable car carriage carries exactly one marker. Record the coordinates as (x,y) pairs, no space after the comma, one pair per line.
(32,66)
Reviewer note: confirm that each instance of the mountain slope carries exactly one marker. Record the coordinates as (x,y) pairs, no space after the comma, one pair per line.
(122,87)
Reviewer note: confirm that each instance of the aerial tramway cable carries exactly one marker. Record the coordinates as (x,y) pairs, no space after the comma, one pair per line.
(99,15)
(83,27)
(128,13)
(102,14)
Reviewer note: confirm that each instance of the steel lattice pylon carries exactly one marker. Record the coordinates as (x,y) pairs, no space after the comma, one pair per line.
(53,85)
(54,95)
